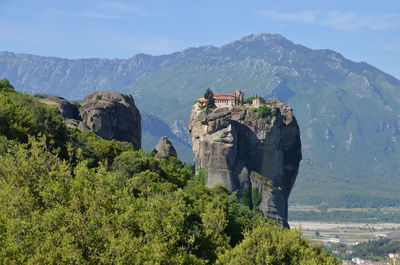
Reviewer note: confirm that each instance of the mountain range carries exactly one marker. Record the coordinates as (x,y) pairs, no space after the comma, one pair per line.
(348,112)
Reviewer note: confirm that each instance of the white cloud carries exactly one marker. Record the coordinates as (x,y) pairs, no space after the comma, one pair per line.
(125,8)
(129,8)
(303,16)
(346,20)
(338,19)
(392,47)
(81,14)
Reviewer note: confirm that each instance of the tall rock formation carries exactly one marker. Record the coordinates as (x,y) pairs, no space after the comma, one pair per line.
(112,115)
(256,152)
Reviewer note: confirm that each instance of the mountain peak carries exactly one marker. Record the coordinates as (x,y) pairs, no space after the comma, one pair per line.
(263,40)
(264,36)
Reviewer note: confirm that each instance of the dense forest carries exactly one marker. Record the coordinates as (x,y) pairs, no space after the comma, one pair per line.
(68,197)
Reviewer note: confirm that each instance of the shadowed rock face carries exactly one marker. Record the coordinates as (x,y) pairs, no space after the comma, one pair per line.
(257,156)
(112,116)
(165,149)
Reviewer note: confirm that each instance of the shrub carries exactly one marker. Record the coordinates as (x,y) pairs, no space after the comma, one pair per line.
(264,111)
(256,197)
(5,86)
(201,176)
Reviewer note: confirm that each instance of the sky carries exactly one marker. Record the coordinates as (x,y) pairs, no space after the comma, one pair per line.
(361,30)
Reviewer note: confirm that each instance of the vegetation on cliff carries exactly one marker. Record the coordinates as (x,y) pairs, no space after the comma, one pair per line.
(73,198)
(209,96)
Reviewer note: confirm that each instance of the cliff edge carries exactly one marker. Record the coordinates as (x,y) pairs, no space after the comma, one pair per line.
(255,151)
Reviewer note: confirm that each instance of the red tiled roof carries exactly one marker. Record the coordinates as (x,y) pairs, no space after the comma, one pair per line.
(220,96)
(217,98)
(224,94)
(224,98)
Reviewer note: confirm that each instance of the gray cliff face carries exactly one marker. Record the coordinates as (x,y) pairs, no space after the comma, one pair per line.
(257,156)
(112,116)
(165,149)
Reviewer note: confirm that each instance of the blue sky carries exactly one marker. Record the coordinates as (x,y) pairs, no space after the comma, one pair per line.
(360,30)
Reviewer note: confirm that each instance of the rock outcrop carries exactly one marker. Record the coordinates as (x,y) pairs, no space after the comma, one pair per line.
(66,108)
(112,115)
(254,152)
(165,149)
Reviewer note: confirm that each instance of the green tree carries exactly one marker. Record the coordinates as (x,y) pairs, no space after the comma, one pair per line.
(209,96)
(270,244)
(5,86)
(201,176)
(21,116)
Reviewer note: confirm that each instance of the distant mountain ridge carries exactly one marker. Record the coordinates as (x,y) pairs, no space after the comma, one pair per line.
(348,112)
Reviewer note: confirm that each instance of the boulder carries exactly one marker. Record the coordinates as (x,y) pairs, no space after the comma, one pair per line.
(112,115)
(165,149)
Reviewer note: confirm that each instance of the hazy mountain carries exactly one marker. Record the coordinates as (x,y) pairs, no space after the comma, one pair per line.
(348,112)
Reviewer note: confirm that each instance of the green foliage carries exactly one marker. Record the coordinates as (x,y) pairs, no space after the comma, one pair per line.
(98,150)
(246,196)
(104,203)
(130,163)
(376,250)
(269,244)
(264,111)
(3,144)
(5,86)
(21,116)
(346,215)
(209,95)
(249,100)
(256,197)
(251,197)
(50,214)
(201,176)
